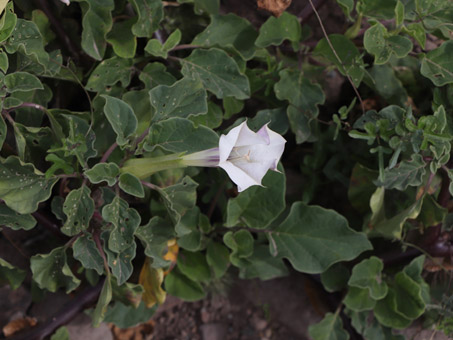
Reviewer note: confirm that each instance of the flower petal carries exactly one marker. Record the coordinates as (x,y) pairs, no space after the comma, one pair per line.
(238,176)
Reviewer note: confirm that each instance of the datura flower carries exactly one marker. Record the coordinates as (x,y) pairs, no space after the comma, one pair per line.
(245,155)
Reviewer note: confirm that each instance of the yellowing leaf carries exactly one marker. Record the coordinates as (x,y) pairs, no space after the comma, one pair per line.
(151,279)
(172,253)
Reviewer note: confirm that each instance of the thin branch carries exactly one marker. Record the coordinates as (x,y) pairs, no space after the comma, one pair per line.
(49,225)
(109,151)
(336,55)
(151,185)
(185,47)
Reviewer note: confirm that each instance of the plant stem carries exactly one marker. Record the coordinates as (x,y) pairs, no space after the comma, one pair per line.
(109,151)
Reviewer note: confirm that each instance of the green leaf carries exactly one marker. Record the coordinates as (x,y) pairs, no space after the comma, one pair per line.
(86,252)
(125,221)
(7,22)
(351,62)
(150,13)
(124,43)
(120,262)
(437,66)
(304,98)
(382,47)
(212,119)
(188,231)
(179,285)
(276,118)
(179,198)
(194,266)
(11,219)
(229,31)
(103,301)
(155,236)
(41,20)
(386,313)
(399,13)
(3,131)
(335,278)
(131,185)
(408,173)
(11,275)
(155,74)
(219,73)
(241,244)
(417,31)
(358,299)
(347,6)
(121,118)
(258,206)
(275,30)
(155,48)
(313,238)
(62,333)
(261,264)
(218,258)
(184,98)
(78,208)
(22,187)
(96,23)
(387,85)
(103,172)
(128,316)
(51,271)
(361,187)
(140,104)
(27,39)
(232,106)
(368,275)
(330,328)
(180,135)
(22,81)
(108,73)
(204,6)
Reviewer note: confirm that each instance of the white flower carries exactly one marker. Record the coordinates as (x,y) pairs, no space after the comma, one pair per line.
(65,2)
(246,156)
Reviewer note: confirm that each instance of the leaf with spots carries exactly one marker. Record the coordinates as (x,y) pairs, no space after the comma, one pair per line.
(22,186)
(87,253)
(124,220)
(108,73)
(437,64)
(186,97)
(11,219)
(51,271)
(22,81)
(120,262)
(121,117)
(218,72)
(313,238)
(103,172)
(150,13)
(78,208)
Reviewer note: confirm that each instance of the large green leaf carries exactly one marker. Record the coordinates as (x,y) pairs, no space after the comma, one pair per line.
(350,62)
(218,258)
(258,206)
(241,244)
(330,328)
(124,43)
(377,42)
(194,266)
(86,251)
(22,81)
(219,73)
(437,64)
(275,30)
(180,135)
(155,74)
(7,22)
(313,238)
(304,98)
(188,230)
(184,98)
(179,285)
(229,31)
(408,295)
(108,73)
(96,22)
(128,316)
(358,299)
(11,219)
(407,173)
(150,13)
(131,185)
(22,187)
(103,172)
(368,275)
(11,275)
(121,117)
(261,264)
(51,271)
(120,262)
(155,236)
(124,220)
(386,313)
(78,208)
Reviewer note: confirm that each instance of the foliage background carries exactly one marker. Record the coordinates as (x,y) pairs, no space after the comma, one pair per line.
(86,87)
